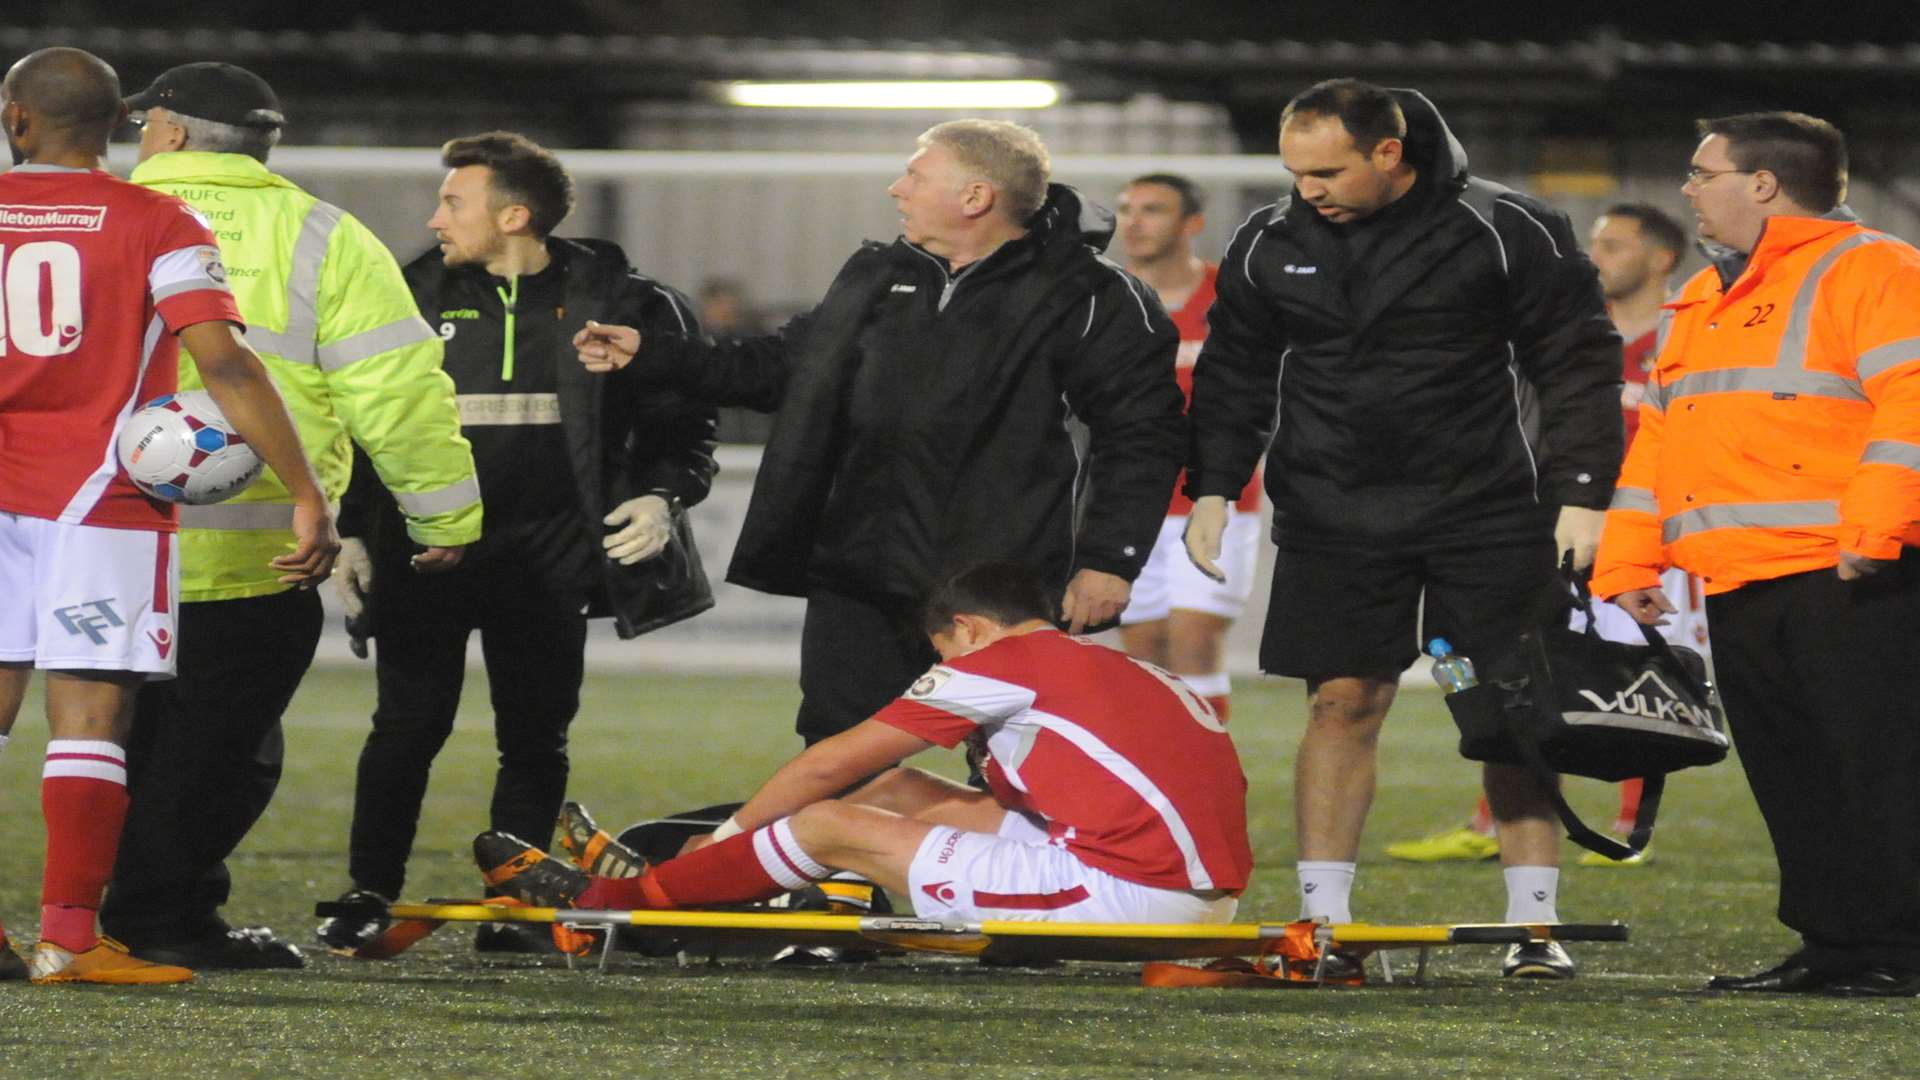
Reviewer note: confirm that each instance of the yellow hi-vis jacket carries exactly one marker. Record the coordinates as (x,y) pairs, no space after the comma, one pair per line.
(336,327)
(1781,424)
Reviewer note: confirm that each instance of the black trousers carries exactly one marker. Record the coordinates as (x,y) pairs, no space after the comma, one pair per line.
(1821,681)
(203,761)
(855,656)
(534,645)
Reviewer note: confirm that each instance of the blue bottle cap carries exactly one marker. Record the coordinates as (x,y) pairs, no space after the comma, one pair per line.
(1439,647)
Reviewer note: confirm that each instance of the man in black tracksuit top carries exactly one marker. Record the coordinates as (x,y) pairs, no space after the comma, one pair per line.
(562,457)
(921,416)
(1406,316)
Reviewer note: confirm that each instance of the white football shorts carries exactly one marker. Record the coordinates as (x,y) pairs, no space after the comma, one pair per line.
(86,597)
(961,876)
(1169,579)
(1688,627)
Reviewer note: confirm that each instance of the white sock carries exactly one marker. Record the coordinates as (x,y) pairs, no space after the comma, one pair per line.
(1326,890)
(782,858)
(1531,893)
(1218,684)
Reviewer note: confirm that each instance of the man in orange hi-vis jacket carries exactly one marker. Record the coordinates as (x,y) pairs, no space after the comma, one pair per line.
(1779,459)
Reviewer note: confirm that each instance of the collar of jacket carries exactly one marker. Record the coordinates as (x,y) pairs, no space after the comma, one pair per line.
(1064,221)
(1779,235)
(201,167)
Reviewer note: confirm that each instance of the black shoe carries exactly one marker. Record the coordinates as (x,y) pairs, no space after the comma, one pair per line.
(1339,967)
(1537,960)
(247,948)
(524,938)
(1881,982)
(1788,977)
(347,933)
(526,873)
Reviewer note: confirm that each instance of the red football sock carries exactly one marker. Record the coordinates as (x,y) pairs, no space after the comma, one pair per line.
(1482,818)
(752,866)
(83,796)
(1220,705)
(1629,804)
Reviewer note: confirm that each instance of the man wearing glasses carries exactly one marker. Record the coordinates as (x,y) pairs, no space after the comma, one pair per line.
(1779,459)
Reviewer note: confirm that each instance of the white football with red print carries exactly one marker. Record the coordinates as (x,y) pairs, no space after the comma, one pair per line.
(180,448)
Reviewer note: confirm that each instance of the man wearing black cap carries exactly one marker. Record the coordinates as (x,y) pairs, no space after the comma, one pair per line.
(337,330)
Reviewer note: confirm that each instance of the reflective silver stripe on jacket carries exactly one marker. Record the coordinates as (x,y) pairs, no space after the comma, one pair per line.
(1881,357)
(1763,515)
(1793,343)
(1789,375)
(501,409)
(1633,498)
(1774,380)
(336,355)
(297,342)
(247,516)
(1892,452)
(454,496)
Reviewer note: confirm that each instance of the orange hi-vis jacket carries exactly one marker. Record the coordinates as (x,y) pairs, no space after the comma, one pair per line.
(1781,424)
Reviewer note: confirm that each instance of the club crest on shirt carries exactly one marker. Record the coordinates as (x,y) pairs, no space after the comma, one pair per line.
(926,684)
(211,265)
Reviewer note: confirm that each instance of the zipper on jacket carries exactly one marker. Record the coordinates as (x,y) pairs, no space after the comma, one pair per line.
(949,281)
(508,301)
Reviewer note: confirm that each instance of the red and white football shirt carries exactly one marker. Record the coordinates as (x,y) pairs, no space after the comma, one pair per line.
(96,277)
(1191,321)
(1131,769)
(1636,364)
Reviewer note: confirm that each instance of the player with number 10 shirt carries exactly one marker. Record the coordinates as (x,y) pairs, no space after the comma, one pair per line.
(99,276)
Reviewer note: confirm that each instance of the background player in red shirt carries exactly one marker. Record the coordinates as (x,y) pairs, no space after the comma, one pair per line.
(1178,617)
(112,273)
(1116,795)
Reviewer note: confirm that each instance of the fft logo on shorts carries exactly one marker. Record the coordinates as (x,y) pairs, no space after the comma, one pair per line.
(90,618)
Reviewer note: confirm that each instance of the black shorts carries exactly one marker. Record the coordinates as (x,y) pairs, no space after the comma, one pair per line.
(1357,611)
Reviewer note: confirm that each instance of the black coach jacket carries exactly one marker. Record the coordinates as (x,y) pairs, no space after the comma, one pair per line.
(1410,386)
(623,439)
(921,415)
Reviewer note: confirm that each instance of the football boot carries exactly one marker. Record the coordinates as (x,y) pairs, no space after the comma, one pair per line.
(526,873)
(1454,845)
(1537,960)
(107,963)
(593,849)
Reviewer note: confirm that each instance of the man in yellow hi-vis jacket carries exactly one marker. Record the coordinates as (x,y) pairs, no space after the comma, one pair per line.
(338,331)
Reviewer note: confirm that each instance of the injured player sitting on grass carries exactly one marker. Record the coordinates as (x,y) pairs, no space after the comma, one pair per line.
(1115,793)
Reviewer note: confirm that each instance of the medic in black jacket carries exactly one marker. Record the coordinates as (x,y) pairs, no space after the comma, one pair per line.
(921,416)
(1399,331)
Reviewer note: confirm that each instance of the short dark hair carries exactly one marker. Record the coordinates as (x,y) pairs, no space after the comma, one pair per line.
(1369,113)
(1655,224)
(1008,593)
(524,174)
(1191,201)
(1805,153)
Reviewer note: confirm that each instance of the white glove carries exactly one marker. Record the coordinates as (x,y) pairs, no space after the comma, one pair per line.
(646,520)
(1578,531)
(1206,524)
(353,576)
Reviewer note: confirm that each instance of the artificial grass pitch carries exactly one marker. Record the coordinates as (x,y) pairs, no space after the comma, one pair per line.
(650,744)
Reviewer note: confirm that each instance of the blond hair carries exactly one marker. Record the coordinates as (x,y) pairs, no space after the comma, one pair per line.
(1007,155)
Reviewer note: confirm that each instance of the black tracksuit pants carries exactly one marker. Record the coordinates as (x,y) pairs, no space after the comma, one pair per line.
(534,645)
(855,656)
(1821,681)
(203,761)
